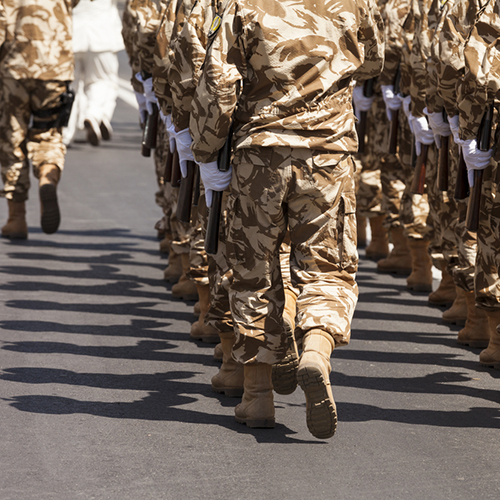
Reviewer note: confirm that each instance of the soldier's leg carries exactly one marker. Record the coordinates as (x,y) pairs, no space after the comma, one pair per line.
(14,122)
(487,276)
(46,149)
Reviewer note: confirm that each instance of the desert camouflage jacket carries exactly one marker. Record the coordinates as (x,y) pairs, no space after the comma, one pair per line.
(148,15)
(282,70)
(36,39)
(451,39)
(188,54)
(176,14)
(481,75)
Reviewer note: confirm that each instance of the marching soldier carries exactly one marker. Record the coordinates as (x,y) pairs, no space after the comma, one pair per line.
(287,90)
(36,67)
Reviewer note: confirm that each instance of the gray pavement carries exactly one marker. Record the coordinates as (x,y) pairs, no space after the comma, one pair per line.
(104,397)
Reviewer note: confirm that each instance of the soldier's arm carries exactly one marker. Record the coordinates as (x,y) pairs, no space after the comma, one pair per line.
(148,22)
(371,36)
(3,25)
(479,57)
(188,54)
(217,93)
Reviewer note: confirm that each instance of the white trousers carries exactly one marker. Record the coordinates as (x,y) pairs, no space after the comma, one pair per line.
(96,88)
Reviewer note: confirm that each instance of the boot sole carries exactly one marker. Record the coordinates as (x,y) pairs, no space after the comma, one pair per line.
(171,279)
(440,304)
(475,344)
(15,236)
(257,423)
(420,288)
(403,272)
(454,321)
(321,411)
(185,297)
(230,392)
(51,217)
(495,366)
(284,375)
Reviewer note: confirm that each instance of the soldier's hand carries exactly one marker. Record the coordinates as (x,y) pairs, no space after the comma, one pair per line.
(391,100)
(455,129)
(183,142)
(171,133)
(439,127)
(148,92)
(141,102)
(475,159)
(361,102)
(213,179)
(423,134)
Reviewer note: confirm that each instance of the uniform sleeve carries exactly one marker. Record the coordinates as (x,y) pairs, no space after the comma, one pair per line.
(188,54)
(478,57)
(3,25)
(148,22)
(217,93)
(371,37)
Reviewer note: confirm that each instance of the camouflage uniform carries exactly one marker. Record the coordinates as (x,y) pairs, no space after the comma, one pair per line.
(36,63)
(480,87)
(294,133)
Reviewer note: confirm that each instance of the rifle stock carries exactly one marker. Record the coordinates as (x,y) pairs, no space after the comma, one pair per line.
(196,189)
(214,213)
(150,131)
(483,141)
(462,186)
(443,165)
(167,174)
(185,202)
(393,138)
(363,118)
(176,170)
(418,184)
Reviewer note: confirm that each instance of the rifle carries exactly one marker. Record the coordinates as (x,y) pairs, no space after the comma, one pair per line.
(213,225)
(418,184)
(149,132)
(176,170)
(185,202)
(443,162)
(393,138)
(363,116)
(196,189)
(167,174)
(483,142)
(462,187)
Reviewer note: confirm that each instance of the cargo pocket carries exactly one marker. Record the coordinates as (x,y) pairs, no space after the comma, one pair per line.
(347,232)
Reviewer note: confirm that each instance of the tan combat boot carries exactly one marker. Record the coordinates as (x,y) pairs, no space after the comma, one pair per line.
(285,372)
(49,176)
(457,313)
(199,330)
(229,380)
(165,245)
(16,227)
(399,260)
(379,245)
(196,309)
(256,409)
(361,230)
(446,292)
(218,354)
(314,378)
(420,279)
(491,355)
(173,272)
(475,332)
(185,289)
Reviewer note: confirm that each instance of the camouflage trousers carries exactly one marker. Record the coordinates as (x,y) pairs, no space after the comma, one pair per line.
(414,208)
(310,194)
(18,142)
(487,274)
(368,181)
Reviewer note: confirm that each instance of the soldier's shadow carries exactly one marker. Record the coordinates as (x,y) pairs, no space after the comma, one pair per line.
(172,397)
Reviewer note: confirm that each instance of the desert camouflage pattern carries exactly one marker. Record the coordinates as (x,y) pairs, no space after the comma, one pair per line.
(188,54)
(281,62)
(37,39)
(18,142)
(148,17)
(176,13)
(487,272)
(318,192)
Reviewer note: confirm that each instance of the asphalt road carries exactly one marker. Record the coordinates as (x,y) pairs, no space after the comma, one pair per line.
(104,397)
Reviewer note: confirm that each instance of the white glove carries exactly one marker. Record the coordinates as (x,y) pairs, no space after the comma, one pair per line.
(392,101)
(455,129)
(148,92)
(439,127)
(183,142)
(474,158)
(141,102)
(361,102)
(171,133)
(163,117)
(213,179)
(423,134)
